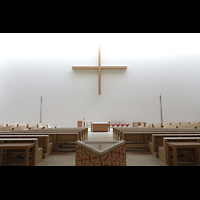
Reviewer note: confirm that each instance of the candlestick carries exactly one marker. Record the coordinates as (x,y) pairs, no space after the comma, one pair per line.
(41,110)
(161,111)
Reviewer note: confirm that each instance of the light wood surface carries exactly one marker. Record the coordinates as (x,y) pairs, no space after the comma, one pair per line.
(99,67)
(25,146)
(162,151)
(157,141)
(100,127)
(79,124)
(177,145)
(43,141)
(139,124)
(38,151)
(117,135)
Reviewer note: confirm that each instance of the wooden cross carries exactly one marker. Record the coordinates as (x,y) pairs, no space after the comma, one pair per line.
(99,67)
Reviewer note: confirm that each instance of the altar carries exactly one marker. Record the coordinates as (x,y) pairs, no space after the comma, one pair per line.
(99,126)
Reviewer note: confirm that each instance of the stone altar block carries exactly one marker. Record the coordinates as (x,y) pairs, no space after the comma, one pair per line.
(100,153)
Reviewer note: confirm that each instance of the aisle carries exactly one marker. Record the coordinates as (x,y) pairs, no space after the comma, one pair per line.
(101,136)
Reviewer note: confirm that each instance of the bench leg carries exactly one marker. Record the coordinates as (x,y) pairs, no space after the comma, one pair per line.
(195,156)
(175,156)
(27,156)
(33,156)
(1,161)
(5,157)
(168,155)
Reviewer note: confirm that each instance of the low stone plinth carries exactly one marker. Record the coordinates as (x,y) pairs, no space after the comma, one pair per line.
(100,153)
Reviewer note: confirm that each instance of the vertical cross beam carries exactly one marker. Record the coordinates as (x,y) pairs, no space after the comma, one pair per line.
(99,70)
(99,67)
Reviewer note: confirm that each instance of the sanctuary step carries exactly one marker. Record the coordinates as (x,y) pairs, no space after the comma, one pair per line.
(103,136)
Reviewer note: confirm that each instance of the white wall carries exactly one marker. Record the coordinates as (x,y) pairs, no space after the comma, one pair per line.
(36,64)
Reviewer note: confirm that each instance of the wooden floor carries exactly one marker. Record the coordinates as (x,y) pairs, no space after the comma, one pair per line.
(133,157)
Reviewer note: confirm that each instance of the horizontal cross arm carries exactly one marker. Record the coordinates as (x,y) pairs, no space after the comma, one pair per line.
(85,67)
(113,67)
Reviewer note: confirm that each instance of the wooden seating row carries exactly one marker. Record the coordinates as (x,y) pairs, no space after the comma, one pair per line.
(18,146)
(142,140)
(194,124)
(195,146)
(23,126)
(155,140)
(58,137)
(117,132)
(15,143)
(163,150)
(83,132)
(43,141)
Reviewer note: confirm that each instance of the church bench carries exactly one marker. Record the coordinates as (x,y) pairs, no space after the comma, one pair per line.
(20,127)
(118,132)
(38,151)
(8,127)
(183,145)
(135,139)
(4,124)
(81,135)
(68,138)
(118,135)
(83,131)
(143,139)
(162,150)
(157,140)
(17,146)
(43,141)
(30,125)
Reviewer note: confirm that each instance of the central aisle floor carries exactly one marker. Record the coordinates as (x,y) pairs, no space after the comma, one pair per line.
(133,158)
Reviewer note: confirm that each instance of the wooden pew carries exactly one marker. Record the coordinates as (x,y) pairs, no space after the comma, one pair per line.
(32,127)
(28,126)
(43,141)
(144,139)
(56,133)
(162,150)
(4,124)
(19,146)
(118,131)
(8,127)
(38,151)
(195,146)
(44,131)
(135,139)
(83,131)
(157,141)
(187,126)
(20,127)
(57,138)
